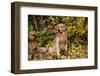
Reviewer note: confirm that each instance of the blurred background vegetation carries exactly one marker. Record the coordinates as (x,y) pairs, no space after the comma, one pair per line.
(77,33)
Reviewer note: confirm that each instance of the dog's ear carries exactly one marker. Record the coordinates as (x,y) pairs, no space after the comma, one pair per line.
(35,33)
(65,26)
(56,29)
(50,26)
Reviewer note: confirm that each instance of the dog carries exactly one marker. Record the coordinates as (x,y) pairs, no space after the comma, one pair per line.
(34,50)
(60,41)
(32,36)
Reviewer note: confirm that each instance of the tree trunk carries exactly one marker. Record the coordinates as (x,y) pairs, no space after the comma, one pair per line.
(36,25)
(39,23)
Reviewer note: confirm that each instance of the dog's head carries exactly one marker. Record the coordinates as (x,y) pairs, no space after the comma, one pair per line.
(32,35)
(60,28)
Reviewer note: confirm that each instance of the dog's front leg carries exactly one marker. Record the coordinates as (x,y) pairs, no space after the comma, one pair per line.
(66,45)
(57,47)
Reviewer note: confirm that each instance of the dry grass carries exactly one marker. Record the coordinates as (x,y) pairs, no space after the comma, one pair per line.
(73,52)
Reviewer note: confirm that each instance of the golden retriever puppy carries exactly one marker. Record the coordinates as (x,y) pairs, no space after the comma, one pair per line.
(60,41)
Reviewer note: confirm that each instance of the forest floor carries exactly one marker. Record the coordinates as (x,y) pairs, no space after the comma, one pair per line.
(73,52)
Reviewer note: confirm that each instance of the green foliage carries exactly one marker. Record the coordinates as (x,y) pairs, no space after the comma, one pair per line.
(44,37)
(30,28)
(31,25)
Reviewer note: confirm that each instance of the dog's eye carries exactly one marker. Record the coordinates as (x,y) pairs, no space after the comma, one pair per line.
(33,34)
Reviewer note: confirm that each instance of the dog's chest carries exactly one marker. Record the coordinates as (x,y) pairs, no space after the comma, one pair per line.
(62,39)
